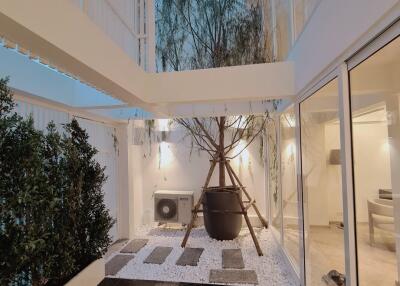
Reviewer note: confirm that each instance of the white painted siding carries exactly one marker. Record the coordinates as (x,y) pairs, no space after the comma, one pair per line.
(124,22)
(42,115)
(102,137)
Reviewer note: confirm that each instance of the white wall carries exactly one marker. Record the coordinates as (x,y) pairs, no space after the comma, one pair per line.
(332,31)
(177,169)
(371,164)
(371,172)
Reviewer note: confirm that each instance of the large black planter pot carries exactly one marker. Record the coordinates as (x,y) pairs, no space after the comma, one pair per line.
(219,224)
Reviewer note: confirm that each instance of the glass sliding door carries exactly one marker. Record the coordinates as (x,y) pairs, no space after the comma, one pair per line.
(375,91)
(290,220)
(322,192)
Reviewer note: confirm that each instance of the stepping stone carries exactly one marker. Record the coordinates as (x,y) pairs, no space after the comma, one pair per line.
(233,276)
(232,258)
(116,263)
(115,247)
(190,256)
(134,246)
(158,255)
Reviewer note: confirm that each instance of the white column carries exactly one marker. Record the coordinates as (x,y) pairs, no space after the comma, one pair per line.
(347,176)
(124,217)
(142,54)
(150,36)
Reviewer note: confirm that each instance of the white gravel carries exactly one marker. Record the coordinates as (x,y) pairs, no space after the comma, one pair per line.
(270,268)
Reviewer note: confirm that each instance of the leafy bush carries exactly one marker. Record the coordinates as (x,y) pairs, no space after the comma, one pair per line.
(53,220)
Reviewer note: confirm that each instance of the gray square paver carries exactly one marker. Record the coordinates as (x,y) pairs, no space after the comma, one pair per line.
(232,258)
(116,263)
(158,255)
(190,256)
(134,246)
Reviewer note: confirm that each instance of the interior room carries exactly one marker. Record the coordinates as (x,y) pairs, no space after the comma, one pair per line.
(375,91)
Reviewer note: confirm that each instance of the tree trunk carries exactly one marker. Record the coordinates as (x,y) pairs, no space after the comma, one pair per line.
(221,151)
(36,281)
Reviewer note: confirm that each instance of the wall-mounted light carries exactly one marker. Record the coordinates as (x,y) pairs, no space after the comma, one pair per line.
(239,121)
(291,149)
(289,120)
(244,156)
(165,154)
(163,125)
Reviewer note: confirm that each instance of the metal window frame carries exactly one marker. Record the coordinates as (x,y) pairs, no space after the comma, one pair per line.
(341,72)
(384,38)
(296,268)
(278,234)
(330,76)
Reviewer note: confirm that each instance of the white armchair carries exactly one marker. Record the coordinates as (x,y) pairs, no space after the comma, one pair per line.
(380,215)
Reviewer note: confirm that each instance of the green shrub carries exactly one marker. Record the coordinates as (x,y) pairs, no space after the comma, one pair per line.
(53,220)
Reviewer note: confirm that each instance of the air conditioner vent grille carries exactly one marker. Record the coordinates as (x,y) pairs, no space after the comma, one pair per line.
(167,208)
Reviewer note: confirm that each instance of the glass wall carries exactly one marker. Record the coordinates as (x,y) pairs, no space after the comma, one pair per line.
(290,18)
(283,27)
(287,149)
(322,192)
(273,177)
(303,10)
(375,91)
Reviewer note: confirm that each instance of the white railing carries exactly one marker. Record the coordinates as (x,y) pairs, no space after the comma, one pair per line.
(127,23)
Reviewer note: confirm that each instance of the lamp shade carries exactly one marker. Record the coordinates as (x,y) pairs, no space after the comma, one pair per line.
(334,157)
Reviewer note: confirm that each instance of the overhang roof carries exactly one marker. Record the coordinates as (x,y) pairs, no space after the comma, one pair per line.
(61,34)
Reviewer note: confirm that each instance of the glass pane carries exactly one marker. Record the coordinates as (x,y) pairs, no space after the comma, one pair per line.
(299,16)
(322,192)
(283,28)
(302,13)
(273,182)
(289,185)
(375,90)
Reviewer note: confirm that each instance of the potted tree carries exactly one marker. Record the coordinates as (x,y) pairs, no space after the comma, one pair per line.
(211,34)
(222,138)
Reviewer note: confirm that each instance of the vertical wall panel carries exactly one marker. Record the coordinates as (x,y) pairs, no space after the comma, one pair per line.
(123,21)
(41,115)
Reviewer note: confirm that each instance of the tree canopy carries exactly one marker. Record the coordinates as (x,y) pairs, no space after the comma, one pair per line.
(209,34)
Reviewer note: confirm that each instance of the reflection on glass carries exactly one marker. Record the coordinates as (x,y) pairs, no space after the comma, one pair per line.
(322,192)
(283,28)
(375,90)
(289,185)
(273,171)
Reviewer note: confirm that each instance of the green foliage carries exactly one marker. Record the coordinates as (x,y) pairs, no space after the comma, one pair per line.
(53,221)
(89,217)
(209,34)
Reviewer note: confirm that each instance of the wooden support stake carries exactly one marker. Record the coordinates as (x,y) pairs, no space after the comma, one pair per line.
(263,221)
(250,204)
(198,204)
(246,217)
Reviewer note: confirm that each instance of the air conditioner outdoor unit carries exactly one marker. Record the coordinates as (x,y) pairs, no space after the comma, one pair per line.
(173,206)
